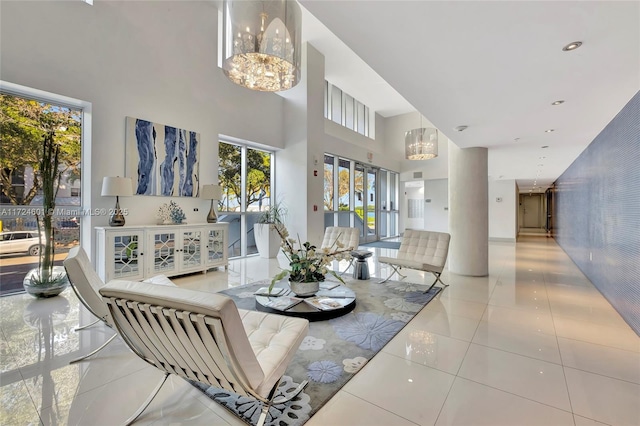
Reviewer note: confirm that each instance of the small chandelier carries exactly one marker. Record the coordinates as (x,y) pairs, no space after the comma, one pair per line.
(421,144)
(261,48)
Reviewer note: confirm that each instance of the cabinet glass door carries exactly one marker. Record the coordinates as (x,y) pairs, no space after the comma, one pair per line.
(215,245)
(164,256)
(191,249)
(126,256)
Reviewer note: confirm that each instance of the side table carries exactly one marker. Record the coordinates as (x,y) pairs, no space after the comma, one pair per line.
(361,268)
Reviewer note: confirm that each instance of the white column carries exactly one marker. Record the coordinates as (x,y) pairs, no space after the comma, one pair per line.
(468,211)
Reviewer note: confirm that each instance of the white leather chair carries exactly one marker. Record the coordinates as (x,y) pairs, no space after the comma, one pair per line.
(422,250)
(204,337)
(85,283)
(348,237)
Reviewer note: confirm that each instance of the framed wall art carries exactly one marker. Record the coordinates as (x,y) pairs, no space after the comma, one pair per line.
(162,160)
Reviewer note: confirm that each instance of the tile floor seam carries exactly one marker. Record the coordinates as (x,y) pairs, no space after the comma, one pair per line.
(516,395)
(601,345)
(601,375)
(564,374)
(376,405)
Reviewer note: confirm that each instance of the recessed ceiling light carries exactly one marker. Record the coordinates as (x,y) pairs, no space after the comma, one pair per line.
(549,130)
(460,128)
(516,139)
(544,146)
(541,158)
(572,46)
(540,165)
(557,102)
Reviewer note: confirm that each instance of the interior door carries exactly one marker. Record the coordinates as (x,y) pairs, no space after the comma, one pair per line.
(531,212)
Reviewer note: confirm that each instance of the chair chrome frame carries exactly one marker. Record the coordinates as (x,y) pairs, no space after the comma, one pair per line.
(199,336)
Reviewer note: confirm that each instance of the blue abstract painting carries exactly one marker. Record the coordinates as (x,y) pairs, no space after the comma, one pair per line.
(162,160)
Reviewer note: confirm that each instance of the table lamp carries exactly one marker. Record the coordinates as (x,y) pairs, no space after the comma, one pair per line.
(213,193)
(117,186)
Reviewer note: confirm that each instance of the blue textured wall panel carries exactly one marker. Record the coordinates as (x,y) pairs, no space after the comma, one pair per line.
(597,210)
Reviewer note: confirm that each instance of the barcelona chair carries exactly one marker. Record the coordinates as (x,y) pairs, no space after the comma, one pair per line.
(205,337)
(422,250)
(85,283)
(348,237)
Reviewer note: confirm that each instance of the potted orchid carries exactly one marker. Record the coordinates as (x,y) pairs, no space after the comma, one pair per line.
(308,265)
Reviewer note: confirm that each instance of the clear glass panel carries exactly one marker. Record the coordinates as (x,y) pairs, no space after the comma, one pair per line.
(326,99)
(366,121)
(349,116)
(258,188)
(371,203)
(344,181)
(329,219)
(359,198)
(344,219)
(336,104)
(383,225)
(28,121)
(229,177)
(328,182)
(360,117)
(251,239)
(233,219)
(393,191)
(383,178)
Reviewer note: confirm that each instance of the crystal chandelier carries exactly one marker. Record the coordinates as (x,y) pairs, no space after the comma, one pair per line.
(261,48)
(421,144)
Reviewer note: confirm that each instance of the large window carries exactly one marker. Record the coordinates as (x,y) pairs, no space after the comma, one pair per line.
(345,110)
(25,123)
(362,196)
(246,177)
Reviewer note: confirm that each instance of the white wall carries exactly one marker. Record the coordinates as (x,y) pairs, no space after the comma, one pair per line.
(436,213)
(151,60)
(503,213)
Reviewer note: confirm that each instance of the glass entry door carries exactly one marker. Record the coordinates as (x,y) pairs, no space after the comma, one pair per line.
(365,202)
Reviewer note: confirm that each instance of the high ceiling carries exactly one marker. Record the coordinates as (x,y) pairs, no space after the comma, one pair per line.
(494,66)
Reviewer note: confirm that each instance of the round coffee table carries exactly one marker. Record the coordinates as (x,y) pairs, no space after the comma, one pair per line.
(341,296)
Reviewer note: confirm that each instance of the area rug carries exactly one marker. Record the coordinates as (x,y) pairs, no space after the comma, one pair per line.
(333,351)
(383,244)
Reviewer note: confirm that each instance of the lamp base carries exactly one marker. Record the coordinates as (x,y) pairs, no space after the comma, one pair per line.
(212,217)
(117,219)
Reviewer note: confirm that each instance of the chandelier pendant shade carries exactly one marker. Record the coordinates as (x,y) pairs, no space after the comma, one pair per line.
(262,44)
(421,143)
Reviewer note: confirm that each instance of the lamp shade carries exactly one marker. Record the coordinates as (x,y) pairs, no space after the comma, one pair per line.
(262,44)
(211,192)
(117,186)
(421,144)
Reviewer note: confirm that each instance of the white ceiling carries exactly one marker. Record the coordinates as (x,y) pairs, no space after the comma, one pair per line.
(493,66)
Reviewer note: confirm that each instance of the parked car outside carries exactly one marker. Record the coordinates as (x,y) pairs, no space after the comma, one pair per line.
(20,242)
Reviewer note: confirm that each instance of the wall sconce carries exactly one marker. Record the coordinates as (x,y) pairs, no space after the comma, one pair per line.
(115,187)
(213,193)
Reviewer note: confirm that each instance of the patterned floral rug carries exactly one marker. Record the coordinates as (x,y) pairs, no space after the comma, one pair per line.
(333,351)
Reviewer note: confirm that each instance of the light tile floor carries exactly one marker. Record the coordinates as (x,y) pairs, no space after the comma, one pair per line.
(534,343)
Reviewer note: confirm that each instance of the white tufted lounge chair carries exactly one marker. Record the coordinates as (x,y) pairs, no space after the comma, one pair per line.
(348,237)
(204,337)
(85,283)
(421,250)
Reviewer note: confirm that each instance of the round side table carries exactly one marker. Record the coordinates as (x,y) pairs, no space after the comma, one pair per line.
(361,268)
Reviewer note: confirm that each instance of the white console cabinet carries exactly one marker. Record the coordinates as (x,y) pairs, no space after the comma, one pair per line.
(139,252)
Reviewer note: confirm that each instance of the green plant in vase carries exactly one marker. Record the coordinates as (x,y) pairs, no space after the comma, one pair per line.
(308,265)
(47,280)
